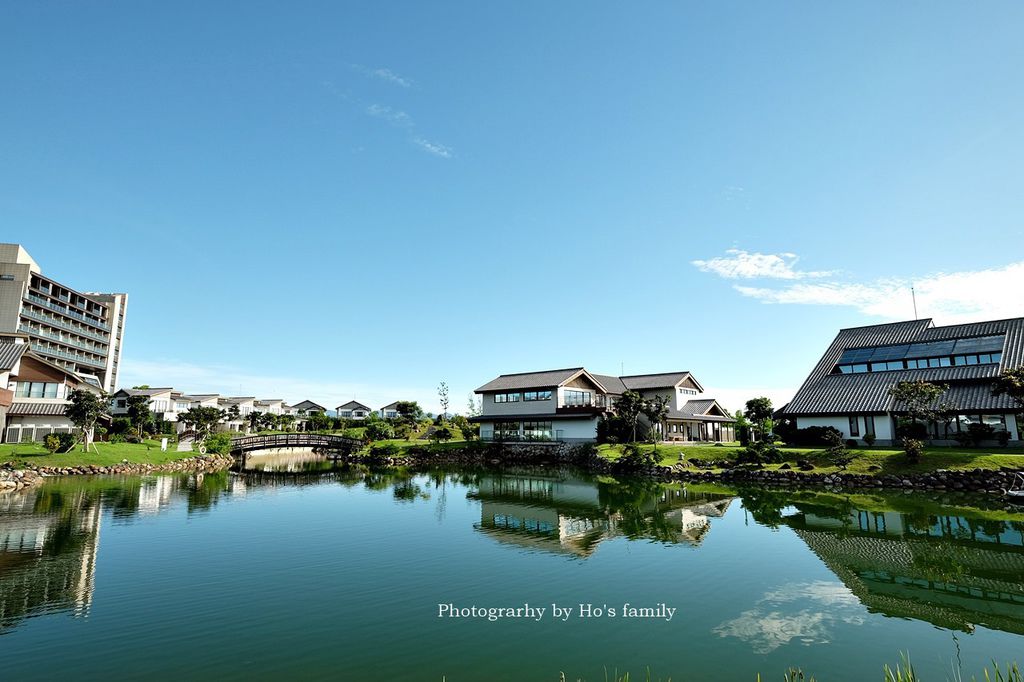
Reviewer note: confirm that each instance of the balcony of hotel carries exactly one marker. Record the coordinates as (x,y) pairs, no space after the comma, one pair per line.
(59,339)
(53,352)
(64,309)
(60,324)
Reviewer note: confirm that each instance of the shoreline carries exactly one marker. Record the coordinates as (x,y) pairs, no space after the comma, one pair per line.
(12,479)
(475,453)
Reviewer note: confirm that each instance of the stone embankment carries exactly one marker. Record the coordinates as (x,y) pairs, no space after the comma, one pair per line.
(956,480)
(16,479)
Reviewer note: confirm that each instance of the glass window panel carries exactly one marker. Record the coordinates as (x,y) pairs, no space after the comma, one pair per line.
(960,360)
(930,349)
(997,357)
(857,369)
(945,362)
(984,359)
(972,359)
(933,362)
(997,421)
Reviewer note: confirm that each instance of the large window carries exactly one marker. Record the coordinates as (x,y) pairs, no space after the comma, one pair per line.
(506,397)
(506,431)
(869,425)
(574,398)
(537,430)
(981,350)
(854,427)
(37,389)
(536,395)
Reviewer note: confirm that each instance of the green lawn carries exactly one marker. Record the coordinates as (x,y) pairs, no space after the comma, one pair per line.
(106,454)
(891,460)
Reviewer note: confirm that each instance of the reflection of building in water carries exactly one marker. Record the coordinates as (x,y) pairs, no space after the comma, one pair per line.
(951,571)
(572,516)
(155,493)
(48,562)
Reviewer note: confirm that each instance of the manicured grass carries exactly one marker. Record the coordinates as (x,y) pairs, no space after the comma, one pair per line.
(891,460)
(105,454)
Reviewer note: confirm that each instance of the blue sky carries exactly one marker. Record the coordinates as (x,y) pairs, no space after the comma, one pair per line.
(337,200)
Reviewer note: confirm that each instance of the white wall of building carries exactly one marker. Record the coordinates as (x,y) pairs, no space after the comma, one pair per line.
(883,425)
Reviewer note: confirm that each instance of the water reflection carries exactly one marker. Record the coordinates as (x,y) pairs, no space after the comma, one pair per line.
(554,512)
(952,570)
(956,567)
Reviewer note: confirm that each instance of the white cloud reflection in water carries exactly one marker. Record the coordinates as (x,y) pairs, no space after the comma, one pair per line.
(770,624)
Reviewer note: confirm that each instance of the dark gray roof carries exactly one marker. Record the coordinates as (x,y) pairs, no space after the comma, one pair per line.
(827,393)
(613,384)
(10,353)
(546,379)
(37,409)
(697,409)
(308,404)
(353,405)
(639,382)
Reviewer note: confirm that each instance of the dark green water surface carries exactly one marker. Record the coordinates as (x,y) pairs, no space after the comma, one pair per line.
(306,574)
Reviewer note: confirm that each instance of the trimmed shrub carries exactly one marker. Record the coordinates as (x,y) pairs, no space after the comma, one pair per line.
(219,443)
(1003,437)
(379,453)
(59,442)
(869,439)
(379,431)
(980,432)
(913,448)
(635,457)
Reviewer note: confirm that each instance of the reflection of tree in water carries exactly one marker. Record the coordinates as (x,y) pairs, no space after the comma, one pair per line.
(637,504)
(203,491)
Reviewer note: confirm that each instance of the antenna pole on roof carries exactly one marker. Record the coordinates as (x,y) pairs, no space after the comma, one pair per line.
(913,297)
(622,368)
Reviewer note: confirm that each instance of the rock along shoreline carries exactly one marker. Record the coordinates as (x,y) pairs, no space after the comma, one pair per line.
(18,479)
(985,481)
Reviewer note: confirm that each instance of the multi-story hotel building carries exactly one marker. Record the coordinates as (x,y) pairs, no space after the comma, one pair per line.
(81,332)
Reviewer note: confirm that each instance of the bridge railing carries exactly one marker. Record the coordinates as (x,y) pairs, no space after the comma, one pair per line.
(291,440)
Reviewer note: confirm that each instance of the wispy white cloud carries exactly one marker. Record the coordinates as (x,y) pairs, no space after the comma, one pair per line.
(227,380)
(800,613)
(950,297)
(433,147)
(384,74)
(740,264)
(393,116)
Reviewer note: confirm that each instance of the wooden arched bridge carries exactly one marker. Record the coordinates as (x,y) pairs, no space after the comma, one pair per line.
(317,441)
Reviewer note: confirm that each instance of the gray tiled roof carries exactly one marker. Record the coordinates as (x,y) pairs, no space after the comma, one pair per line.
(308,404)
(827,393)
(613,384)
(640,382)
(38,409)
(696,409)
(353,405)
(10,353)
(545,379)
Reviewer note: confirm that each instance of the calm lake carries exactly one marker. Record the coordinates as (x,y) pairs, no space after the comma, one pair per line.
(311,573)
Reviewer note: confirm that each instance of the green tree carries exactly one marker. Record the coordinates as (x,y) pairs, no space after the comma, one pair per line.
(410,412)
(379,430)
(920,400)
(629,407)
(139,414)
(234,413)
(743,426)
(269,421)
(442,398)
(286,421)
(656,410)
(202,420)
(254,418)
(759,411)
(84,411)
(317,422)
(1011,383)
(473,408)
